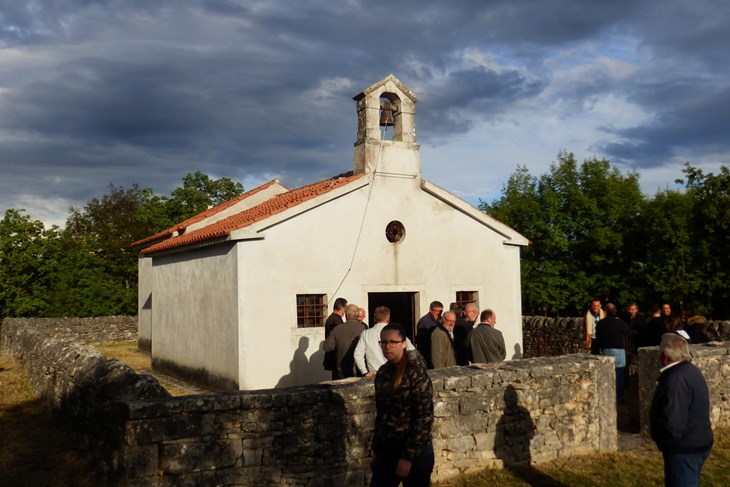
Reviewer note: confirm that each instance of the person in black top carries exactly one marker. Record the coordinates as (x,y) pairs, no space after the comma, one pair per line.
(401,448)
(425,326)
(637,323)
(610,333)
(333,320)
(655,327)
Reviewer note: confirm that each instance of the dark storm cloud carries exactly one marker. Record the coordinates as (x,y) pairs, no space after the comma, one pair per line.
(98,92)
(687,119)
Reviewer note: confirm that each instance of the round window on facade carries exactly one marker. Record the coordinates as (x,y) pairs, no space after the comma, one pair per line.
(395,231)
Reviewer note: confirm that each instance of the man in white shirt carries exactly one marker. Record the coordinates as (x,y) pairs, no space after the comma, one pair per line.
(368,352)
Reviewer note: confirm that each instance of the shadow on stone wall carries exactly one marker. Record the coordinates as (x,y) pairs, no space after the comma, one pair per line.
(515,430)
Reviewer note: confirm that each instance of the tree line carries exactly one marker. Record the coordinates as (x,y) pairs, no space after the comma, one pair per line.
(594,234)
(87,268)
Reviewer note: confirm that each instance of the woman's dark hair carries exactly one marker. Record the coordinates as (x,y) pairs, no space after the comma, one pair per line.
(397,378)
(673,323)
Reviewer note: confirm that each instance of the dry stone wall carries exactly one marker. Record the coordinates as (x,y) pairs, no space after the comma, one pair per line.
(544,336)
(526,411)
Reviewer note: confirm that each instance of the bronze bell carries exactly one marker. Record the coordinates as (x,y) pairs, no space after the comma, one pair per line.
(386,114)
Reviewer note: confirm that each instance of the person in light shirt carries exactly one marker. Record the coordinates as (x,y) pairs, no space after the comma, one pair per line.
(368,352)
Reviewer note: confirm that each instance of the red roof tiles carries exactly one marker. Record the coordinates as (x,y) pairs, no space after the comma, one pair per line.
(247,217)
(202,215)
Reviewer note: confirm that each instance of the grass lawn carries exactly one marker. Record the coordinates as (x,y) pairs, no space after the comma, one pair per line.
(637,468)
(36,451)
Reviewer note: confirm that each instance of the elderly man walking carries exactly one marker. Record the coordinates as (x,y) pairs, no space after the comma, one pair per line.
(680,415)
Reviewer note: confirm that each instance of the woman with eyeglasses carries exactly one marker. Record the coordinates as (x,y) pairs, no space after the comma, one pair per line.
(402,450)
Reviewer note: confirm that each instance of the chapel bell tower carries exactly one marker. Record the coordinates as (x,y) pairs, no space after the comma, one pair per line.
(386,130)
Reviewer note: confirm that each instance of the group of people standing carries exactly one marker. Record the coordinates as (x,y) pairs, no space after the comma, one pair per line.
(680,408)
(401,447)
(459,336)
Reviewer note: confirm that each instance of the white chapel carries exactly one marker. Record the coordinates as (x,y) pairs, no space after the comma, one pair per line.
(236,297)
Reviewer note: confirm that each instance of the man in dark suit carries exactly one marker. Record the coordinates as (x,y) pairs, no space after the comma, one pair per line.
(333,320)
(462,332)
(342,341)
(486,342)
(680,415)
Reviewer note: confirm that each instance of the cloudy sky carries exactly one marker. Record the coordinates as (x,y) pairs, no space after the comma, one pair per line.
(142,91)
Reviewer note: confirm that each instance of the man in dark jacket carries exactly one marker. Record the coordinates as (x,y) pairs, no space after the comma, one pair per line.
(680,415)
(336,318)
(342,341)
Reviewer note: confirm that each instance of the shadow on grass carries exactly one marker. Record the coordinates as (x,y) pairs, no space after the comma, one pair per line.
(35,450)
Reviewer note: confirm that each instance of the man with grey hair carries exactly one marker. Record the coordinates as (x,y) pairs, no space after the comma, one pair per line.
(680,415)
(342,342)
(442,342)
(462,332)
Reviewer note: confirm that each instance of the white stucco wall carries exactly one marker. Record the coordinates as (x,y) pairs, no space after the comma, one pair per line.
(444,251)
(194,311)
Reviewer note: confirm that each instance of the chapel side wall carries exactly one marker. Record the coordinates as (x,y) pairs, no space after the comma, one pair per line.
(713,362)
(444,251)
(144,303)
(195,316)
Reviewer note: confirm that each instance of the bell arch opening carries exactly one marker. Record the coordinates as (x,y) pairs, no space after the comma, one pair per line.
(391,126)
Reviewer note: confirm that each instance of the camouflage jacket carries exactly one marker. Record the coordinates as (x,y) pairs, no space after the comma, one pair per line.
(405,417)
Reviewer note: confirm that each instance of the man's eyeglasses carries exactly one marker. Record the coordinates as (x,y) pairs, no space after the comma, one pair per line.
(390,343)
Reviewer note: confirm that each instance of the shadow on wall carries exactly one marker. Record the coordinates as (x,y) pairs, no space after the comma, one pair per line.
(515,430)
(303,370)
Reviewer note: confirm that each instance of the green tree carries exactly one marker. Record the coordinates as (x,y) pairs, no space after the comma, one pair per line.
(197,194)
(28,255)
(710,226)
(97,240)
(577,218)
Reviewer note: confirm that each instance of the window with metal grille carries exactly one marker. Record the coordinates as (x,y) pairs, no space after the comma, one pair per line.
(465,297)
(311,310)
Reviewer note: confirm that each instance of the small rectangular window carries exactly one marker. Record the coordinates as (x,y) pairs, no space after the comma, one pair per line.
(465,297)
(311,310)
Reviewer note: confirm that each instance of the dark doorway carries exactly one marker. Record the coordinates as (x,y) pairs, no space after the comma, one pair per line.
(402,309)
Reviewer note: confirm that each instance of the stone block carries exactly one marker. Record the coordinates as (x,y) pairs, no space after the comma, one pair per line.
(252,458)
(184,457)
(460,444)
(457,382)
(139,461)
(471,404)
(484,441)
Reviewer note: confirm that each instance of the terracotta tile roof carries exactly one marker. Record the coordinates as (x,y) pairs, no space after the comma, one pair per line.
(203,215)
(270,207)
